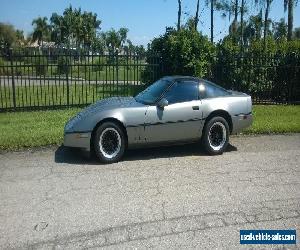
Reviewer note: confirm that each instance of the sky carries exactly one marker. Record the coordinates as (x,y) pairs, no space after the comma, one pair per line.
(145,19)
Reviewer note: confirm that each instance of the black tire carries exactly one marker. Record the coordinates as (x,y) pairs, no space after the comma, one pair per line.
(216,142)
(110,147)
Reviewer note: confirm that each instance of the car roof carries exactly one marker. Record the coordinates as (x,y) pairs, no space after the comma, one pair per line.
(178,78)
(191,78)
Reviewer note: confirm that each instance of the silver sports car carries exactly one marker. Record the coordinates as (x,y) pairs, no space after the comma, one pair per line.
(175,109)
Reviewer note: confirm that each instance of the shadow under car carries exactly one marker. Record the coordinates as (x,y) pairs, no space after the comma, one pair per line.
(76,156)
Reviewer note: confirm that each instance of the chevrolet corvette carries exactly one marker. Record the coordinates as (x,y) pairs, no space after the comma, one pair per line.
(173,110)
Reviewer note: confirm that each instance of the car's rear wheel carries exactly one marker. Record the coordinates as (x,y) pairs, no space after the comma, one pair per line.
(215,136)
(109,142)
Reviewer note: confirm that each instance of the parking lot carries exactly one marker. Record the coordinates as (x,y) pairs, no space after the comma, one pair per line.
(172,197)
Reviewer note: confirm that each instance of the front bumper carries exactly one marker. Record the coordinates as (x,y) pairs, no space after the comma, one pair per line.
(78,140)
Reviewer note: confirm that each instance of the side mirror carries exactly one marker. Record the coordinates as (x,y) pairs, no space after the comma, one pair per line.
(162,103)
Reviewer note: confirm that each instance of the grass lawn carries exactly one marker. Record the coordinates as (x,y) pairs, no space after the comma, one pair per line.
(39,128)
(94,70)
(51,95)
(31,129)
(271,119)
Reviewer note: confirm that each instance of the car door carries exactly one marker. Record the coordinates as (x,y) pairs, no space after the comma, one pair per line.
(180,120)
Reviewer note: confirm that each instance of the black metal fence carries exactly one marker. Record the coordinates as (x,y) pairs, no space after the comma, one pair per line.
(269,78)
(50,78)
(35,79)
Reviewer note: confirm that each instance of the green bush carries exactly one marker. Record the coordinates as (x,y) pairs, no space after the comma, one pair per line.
(183,52)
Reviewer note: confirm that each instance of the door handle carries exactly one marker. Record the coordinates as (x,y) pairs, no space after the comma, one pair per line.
(195,107)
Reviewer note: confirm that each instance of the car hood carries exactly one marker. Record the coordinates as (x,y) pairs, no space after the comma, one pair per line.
(110,103)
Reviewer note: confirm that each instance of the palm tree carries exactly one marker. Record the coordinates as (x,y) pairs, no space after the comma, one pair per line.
(20,37)
(179,15)
(242,24)
(69,23)
(212,4)
(253,28)
(235,22)
(297,33)
(88,28)
(112,40)
(219,5)
(58,30)
(123,35)
(41,30)
(279,29)
(289,5)
(197,15)
(266,22)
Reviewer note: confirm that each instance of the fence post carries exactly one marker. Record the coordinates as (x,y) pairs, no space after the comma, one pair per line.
(67,77)
(12,77)
(161,68)
(117,68)
(292,76)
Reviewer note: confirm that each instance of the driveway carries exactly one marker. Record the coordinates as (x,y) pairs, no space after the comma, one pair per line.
(173,197)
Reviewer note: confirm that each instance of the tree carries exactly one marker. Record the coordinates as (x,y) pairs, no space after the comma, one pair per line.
(242,24)
(88,29)
(7,35)
(71,22)
(212,2)
(129,47)
(219,5)
(279,29)
(111,40)
(58,32)
(74,28)
(190,24)
(123,35)
(98,44)
(253,28)
(179,15)
(20,39)
(266,22)
(197,15)
(229,8)
(297,33)
(289,5)
(185,52)
(235,22)
(115,39)
(41,30)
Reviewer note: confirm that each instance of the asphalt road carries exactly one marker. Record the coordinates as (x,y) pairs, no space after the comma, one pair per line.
(175,197)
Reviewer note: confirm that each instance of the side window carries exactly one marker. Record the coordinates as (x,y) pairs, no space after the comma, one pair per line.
(211,91)
(184,91)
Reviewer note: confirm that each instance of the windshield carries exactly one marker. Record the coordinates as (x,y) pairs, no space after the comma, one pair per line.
(151,94)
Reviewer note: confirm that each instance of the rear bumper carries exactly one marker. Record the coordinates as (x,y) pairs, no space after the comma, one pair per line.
(78,140)
(240,122)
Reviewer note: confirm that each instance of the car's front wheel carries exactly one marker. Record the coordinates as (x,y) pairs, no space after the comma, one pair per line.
(109,142)
(215,135)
